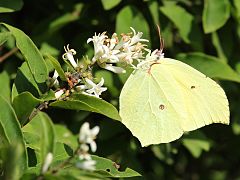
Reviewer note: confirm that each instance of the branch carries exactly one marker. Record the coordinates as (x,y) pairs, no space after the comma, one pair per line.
(8,54)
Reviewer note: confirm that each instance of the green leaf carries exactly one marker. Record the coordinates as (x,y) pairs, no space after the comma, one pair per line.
(10,6)
(58,67)
(109,4)
(237,6)
(48,134)
(215,14)
(164,153)
(48,49)
(88,103)
(73,173)
(31,54)
(65,136)
(131,17)
(236,128)
(61,153)
(5,81)
(25,82)
(153,7)
(108,168)
(210,66)
(4,37)
(196,142)
(105,169)
(181,19)
(218,47)
(12,155)
(39,135)
(50,26)
(50,95)
(10,133)
(23,105)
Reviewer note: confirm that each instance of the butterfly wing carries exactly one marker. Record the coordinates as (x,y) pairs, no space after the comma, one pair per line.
(159,104)
(148,107)
(204,100)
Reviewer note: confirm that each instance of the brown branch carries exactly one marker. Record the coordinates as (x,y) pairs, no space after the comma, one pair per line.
(8,54)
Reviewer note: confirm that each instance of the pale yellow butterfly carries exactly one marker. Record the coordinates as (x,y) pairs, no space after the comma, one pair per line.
(164,98)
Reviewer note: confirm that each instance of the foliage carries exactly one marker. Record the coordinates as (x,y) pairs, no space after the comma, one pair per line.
(204,34)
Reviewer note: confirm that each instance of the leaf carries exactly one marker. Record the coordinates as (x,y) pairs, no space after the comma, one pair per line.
(196,142)
(108,168)
(73,173)
(88,103)
(31,54)
(215,14)
(153,7)
(237,6)
(218,47)
(23,105)
(10,133)
(25,81)
(65,136)
(210,66)
(12,155)
(61,153)
(4,37)
(236,128)
(109,4)
(53,24)
(131,17)
(164,153)
(5,81)
(105,169)
(58,67)
(39,135)
(10,6)
(176,14)
(50,95)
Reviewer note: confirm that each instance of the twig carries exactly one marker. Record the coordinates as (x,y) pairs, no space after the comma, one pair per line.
(68,160)
(8,54)
(42,106)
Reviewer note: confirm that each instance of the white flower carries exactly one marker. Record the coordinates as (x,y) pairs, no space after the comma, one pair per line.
(98,43)
(47,162)
(94,89)
(55,76)
(84,156)
(87,135)
(87,165)
(114,69)
(68,55)
(151,57)
(110,50)
(59,93)
(137,37)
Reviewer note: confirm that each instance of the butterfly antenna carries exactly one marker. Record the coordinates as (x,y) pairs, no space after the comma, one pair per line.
(161,41)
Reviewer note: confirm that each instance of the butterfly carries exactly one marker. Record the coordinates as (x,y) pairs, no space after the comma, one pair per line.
(163,98)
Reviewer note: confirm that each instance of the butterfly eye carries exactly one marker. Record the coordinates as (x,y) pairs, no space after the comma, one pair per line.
(161,107)
(192,87)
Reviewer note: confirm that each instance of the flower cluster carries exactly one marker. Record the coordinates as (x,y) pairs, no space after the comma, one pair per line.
(109,51)
(76,80)
(108,54)
(87,138)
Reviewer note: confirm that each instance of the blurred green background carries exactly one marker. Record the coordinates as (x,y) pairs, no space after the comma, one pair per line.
(204,34)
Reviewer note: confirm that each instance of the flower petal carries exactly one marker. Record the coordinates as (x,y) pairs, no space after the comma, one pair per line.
(114,69)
